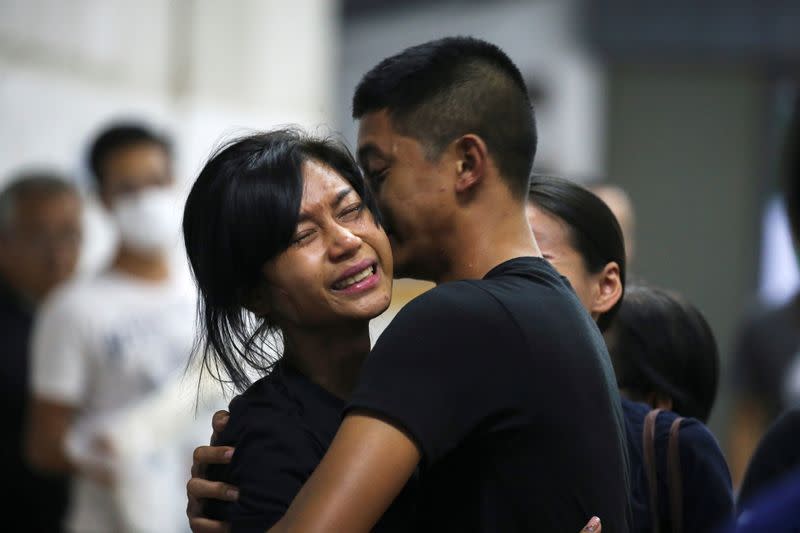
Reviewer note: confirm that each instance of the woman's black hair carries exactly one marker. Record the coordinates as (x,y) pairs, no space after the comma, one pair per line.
(661,343)
(593,228)
(242,211)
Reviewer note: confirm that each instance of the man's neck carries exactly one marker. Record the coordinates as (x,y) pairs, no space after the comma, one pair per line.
(149,267)
(487,236)
(330,357)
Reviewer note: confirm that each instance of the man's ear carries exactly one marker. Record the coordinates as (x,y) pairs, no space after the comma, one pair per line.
(471,162)
(609,289)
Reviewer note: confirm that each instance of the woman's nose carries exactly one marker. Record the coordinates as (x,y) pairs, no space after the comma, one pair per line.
(344,243)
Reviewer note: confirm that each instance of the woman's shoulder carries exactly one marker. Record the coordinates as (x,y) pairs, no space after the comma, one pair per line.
(694,437)
(262,406)
(701,458)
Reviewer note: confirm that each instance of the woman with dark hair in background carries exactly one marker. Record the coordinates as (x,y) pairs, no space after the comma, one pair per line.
(664,353)
(579,235)
(667,364)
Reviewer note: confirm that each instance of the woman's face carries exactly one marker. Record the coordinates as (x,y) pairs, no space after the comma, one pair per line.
(338,268)
(553,237)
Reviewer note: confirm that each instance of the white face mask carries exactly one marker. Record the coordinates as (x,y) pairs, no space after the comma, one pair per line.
(148,220)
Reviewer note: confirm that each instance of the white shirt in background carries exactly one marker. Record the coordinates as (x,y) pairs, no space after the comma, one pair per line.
(116,348)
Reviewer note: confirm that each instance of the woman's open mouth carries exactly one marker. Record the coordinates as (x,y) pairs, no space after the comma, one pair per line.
(359,278)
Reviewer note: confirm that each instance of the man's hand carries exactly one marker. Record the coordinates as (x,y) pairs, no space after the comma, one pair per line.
(102,471)
(593,526)
(199,488)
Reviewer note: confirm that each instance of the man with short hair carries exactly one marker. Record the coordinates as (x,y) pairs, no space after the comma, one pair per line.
(106,344)
(496,384)
(40,237)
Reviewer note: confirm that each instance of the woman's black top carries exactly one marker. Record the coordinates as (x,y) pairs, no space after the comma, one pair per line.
(281,426)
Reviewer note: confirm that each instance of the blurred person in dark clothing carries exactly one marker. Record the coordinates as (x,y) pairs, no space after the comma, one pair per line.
(777,454)
(769,498)
(664,353)
(766,374)
(766,359)
(40,236)
(667,365)
(774,510)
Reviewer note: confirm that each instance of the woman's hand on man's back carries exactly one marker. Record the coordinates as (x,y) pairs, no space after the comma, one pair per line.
(199,489)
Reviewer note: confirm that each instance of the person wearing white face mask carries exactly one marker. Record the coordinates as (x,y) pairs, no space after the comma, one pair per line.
(106,346)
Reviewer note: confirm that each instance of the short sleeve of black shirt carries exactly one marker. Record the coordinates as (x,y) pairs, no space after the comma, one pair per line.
(281,428)
(498,382)
(276,452)
(417,374)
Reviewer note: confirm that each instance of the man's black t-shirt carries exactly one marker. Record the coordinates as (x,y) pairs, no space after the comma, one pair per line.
(507,388)
(281,426)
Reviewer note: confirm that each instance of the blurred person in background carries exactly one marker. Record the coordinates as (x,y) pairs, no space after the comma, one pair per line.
(777,454)
(40,237)
(671,365)
(766,357)
(769,496)
(664,353)
(618,200)
(667,364)
(105,345)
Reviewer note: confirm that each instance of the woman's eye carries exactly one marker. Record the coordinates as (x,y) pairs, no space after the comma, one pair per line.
(300,238)
(352,212)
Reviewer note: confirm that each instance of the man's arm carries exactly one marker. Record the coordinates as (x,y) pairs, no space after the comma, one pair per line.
(46,447)
(366,467)
(48,424)
(200,488)
(165,414)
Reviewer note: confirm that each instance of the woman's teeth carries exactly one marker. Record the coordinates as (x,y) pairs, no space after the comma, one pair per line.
(367,272)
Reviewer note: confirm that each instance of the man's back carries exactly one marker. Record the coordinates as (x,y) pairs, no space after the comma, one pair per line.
(506,387)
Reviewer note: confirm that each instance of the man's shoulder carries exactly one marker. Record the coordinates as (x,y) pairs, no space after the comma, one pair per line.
(462,300)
